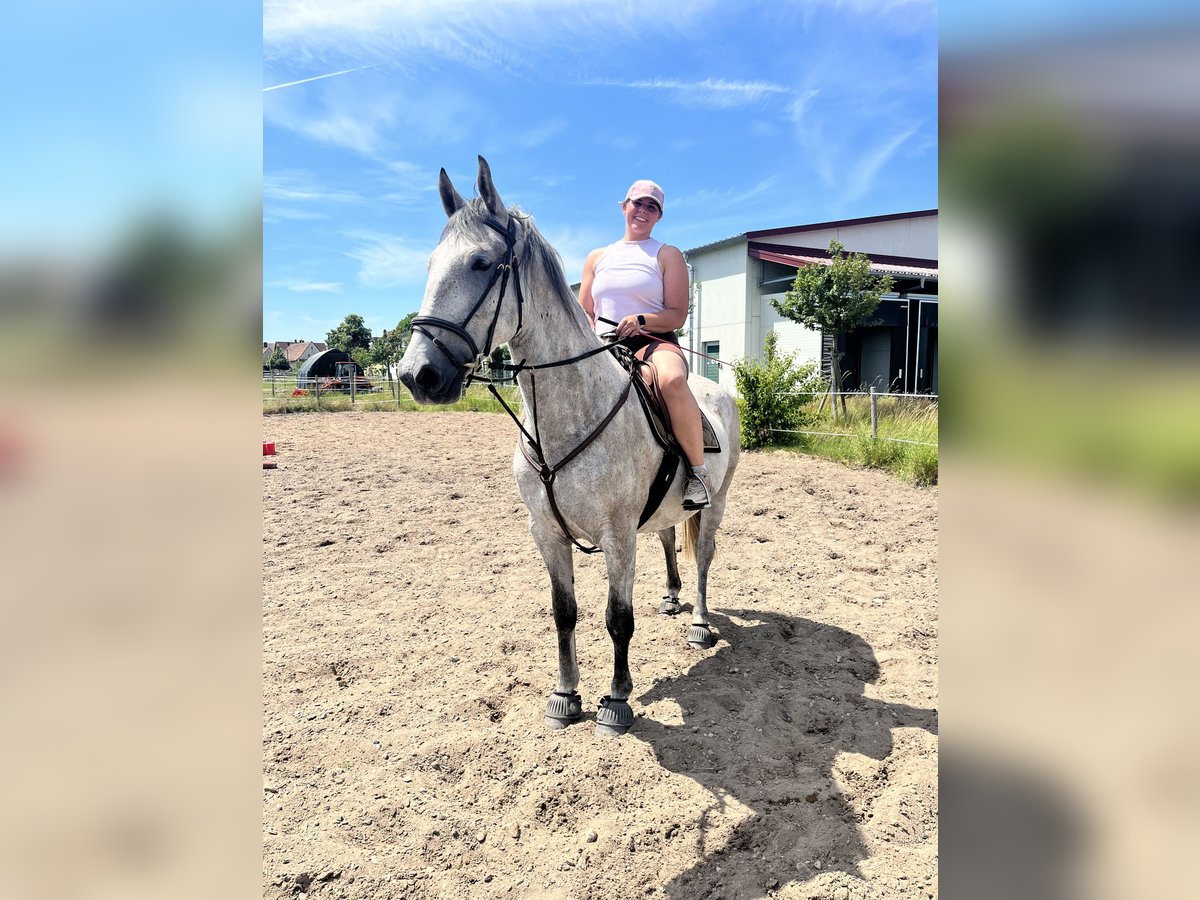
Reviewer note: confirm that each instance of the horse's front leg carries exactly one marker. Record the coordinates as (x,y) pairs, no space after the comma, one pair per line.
(670,603)
(700,635)
(615,715)
(564,706)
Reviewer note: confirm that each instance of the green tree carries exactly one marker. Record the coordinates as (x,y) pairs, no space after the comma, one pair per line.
(279,360)
(390,346)
(387,348)
(834,299)
(362,356)
(771,393)
(498,357)
(404,328)
(352,334)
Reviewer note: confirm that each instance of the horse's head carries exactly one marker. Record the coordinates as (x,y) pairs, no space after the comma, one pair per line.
(472,300)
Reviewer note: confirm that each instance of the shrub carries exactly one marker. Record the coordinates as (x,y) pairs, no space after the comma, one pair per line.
(772,392)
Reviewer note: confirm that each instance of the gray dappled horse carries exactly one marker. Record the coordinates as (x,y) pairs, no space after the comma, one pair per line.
(585,458)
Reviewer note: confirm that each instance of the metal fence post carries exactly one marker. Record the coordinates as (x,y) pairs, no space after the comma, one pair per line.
(874,415)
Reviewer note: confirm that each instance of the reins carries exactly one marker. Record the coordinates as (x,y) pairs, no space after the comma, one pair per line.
(546,472)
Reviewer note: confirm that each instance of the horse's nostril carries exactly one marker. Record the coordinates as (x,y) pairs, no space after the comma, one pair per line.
(427,378)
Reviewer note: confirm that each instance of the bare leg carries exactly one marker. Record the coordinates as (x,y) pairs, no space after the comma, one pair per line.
(671,371)
(670,603)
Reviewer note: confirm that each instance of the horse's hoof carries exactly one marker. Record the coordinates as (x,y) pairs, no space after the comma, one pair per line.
(669,607)
(700,637)
(563,710)
(614,717)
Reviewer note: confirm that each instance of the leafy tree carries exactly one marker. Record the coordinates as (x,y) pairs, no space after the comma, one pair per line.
(352,334)
(499,356)
(361,356)
(387,348)
(390,346)
(771,393)
(279,360)
(835,300)
(404,330)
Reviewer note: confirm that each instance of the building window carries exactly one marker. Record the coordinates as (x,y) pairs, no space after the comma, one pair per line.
(712,370)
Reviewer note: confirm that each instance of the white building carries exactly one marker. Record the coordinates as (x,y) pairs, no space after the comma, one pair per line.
(734,280)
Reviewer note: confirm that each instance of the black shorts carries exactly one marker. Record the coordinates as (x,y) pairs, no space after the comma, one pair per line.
(638,341)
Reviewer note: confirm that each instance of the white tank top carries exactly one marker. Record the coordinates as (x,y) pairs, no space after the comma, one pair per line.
(627,281)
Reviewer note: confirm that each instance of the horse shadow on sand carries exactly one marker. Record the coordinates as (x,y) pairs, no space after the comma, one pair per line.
(764,719)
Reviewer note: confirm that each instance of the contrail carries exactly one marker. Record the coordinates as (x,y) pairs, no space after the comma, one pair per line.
(276,87)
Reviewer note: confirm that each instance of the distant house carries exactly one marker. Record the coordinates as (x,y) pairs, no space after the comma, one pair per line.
(295,351)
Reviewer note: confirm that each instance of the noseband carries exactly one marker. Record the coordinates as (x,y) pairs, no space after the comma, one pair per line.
(506,267)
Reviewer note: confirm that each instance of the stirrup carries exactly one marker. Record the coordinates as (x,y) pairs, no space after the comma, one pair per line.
(696,504)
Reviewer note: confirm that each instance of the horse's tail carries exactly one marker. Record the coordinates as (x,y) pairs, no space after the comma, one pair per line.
(691,533)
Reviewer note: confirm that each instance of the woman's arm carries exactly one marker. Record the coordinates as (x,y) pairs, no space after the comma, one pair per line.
(675,291)
(585,285)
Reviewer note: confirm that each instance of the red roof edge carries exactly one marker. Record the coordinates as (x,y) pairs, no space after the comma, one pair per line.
(759,250)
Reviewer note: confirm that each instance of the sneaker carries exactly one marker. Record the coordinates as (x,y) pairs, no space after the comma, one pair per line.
(696,494)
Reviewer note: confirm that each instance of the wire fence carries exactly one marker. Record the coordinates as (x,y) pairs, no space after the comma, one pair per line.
(286,389)
(284,392)
(903,400)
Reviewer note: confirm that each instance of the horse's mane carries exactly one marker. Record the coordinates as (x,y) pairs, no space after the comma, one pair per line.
(537,252)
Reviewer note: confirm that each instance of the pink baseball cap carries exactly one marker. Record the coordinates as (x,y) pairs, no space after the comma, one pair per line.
(644,189)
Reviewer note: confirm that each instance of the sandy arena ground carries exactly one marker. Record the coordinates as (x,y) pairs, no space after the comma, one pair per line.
(409,649)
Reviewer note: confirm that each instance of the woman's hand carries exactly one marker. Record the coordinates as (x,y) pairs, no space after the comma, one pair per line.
(628,327)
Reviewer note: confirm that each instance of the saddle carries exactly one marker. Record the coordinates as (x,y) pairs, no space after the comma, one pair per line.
(660,426)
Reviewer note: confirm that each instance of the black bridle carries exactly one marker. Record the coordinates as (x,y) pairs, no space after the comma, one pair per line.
(534,454)
(506,268)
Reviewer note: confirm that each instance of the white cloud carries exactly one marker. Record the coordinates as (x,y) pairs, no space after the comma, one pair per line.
(406,184)
(721,199)
(799,107)
(297,186)
(374,113)
(711,93)
(512,34)
(327,287)
(330,113)
(862,175)
(388,260)
(288,214)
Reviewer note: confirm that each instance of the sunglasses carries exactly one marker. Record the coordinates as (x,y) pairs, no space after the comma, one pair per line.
(647,205)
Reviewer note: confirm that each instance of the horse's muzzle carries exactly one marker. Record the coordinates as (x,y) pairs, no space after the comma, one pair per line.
(433,383)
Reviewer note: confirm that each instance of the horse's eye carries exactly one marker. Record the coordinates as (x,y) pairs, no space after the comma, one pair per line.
(481,263)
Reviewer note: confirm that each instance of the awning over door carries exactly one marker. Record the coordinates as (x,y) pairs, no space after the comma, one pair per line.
(881,264)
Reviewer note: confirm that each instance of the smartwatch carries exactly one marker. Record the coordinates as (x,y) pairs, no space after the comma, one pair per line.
(641,319)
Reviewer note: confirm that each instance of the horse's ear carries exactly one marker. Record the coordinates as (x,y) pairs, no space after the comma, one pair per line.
(491,197)
(452,200)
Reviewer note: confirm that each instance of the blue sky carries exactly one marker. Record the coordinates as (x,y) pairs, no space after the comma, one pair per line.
(751,115)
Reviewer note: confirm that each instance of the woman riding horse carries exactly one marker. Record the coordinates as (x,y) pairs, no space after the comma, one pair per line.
(642,284)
